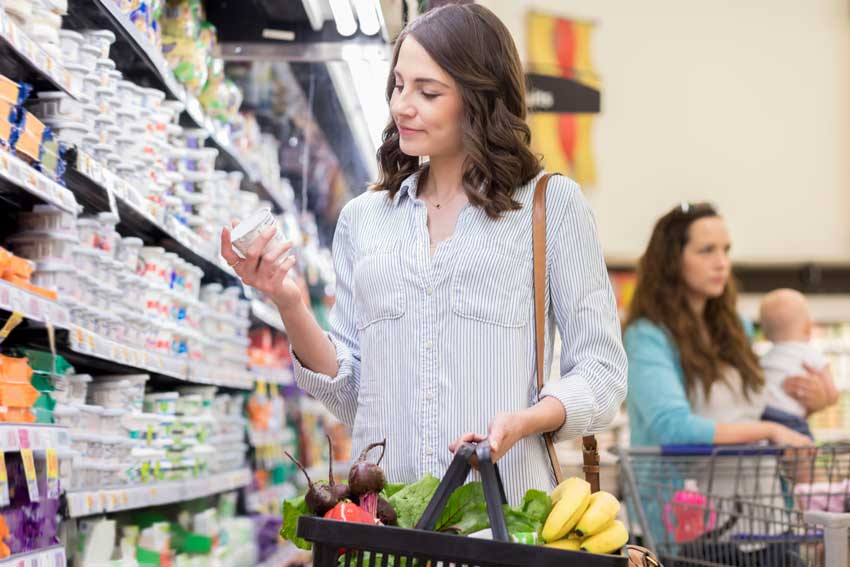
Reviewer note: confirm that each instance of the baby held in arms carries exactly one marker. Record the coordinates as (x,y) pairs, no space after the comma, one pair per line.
(786,323)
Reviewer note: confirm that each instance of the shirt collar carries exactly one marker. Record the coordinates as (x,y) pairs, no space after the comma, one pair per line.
(408,188)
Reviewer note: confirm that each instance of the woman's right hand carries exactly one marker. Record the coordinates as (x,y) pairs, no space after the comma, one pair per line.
(781,435)
(261,272)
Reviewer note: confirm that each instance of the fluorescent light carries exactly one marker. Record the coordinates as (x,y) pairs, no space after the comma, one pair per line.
(344,17)
(367,16)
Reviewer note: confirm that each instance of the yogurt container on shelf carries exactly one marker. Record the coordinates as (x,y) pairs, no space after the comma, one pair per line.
(88,56)
(79,386)
(90,417)
(108,236)
(65,415)
(128,252)
(85,260)
(90,83)
(68,131)
(102,39)
(56,105)
(111,417)
(163,403)
(58,277)
(247,231)
(48,218)
(70,43)
(152,98)
(43,246)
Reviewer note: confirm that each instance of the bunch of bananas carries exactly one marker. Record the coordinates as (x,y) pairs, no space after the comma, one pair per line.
(580,520)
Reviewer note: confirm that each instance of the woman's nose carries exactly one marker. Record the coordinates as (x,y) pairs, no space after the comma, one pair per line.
(399,105)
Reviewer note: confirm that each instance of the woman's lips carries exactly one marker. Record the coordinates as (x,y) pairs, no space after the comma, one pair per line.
(407,131)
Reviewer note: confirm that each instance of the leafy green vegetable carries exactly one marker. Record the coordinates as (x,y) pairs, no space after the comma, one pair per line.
(390,489)
(519,522)
(410,502)
(465,511)
(536,505)
(292,510)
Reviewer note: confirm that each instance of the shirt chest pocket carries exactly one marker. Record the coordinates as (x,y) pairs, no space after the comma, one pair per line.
(493,287)
(378,289)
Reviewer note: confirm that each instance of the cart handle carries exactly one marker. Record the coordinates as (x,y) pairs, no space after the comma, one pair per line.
(699,450)
(467,455)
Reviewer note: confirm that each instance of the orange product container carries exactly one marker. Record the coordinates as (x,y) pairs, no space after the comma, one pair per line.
(46,293)
(14,370)
(6,111)
(20,268)
(10,91)
(17,415)
(17,395)
(5,260)
(32,133)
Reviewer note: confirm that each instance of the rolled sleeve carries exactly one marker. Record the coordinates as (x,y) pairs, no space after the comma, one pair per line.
(338,393)
(593,377)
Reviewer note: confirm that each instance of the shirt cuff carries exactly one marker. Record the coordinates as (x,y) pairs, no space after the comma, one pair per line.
(579,403)
(321,385)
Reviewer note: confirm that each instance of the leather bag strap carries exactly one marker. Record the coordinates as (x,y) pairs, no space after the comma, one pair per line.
(590,451)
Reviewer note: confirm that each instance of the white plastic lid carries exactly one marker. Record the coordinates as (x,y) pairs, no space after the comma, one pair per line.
(108,218)
(250,224)
(71,34)
(77,68)
(39,235)
(86,408)
(106,62)
(79,377)
(100,34)
(64,124)
(93,49)
(52,95)
(132,242)
(153,93)
(53,266)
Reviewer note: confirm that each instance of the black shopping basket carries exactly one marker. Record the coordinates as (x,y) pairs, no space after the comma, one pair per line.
(385,546)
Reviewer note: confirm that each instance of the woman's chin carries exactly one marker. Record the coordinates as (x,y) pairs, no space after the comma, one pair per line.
(412,150)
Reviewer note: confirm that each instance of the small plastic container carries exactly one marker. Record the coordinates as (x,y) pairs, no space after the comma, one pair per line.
(90,417)
(70,42)
(79,387)
(164,403)
(111,417)
(56,105)
(68,131)
(108,236)
(247,231)
(143,427)
(90,85)
(58,277)
(88,57)
(41,246)
(128,252)
(48,218)
(153,98)
(109,395)
(102,39)
(152,258)
(66,415)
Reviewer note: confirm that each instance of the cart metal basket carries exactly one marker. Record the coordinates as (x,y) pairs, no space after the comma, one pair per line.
(341,544)
(747,506)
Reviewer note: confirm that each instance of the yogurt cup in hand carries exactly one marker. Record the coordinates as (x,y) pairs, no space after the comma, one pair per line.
(250,229)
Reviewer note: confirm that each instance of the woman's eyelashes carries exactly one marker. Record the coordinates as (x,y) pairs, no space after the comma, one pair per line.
(427,95)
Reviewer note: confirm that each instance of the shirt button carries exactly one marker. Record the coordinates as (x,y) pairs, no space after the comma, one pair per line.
(428,345)
(429,396)
(429,451)
(430,291)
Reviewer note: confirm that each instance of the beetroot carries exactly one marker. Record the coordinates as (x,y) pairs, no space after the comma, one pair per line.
(386,513)
(365,477)
(341,491)
(320,498)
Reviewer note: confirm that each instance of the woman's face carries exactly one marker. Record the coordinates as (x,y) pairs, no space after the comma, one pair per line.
(705,259)
(426,104)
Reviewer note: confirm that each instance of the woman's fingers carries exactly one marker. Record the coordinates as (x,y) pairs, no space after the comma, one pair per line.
(227,248)
(466,438)
(255,251)
(283,269)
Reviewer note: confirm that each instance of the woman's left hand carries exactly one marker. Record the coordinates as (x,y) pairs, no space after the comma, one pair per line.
(505,430)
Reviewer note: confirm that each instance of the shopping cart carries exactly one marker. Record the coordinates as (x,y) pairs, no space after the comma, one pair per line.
(747,506)
(340,544)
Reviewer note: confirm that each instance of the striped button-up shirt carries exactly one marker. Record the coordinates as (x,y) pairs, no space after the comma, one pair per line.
(431,347)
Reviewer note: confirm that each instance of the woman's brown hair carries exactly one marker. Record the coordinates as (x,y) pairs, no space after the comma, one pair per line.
(660,297)
(475,48)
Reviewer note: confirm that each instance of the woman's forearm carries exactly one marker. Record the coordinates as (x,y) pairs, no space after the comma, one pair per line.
(309,342)
(546,415)
(749,432)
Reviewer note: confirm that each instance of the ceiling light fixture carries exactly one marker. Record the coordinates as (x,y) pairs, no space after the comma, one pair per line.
(367,15)
(346,25)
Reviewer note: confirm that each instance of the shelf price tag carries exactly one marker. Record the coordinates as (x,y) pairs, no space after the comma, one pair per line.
(4,482)
(52,474)
(14,320)
(29,472)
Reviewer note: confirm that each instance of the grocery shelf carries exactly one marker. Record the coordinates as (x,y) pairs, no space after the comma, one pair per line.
(270,499)
(286,555)
(138,58)
(210,374)
(38,437)
(48,557)
(277,437)
(16,176)
(101,190)
(279,376)
(120,498)
(32,306)
(267,315)
(34,64)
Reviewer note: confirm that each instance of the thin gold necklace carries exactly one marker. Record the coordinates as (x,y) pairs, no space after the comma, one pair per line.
(437,205)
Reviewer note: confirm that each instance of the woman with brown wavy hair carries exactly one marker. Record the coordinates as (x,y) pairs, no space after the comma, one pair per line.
(693,377)
(431,339)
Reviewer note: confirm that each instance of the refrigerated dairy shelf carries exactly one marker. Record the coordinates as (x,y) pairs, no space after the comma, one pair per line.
(136,56)
(37,437)
(49,557)
(16,175)
(36,64)
(267,315)
(31,306)
(118,499)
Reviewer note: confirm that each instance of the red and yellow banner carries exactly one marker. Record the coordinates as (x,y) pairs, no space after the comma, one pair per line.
(560,47)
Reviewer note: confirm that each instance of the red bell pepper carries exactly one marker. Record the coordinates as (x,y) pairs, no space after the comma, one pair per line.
(350,512)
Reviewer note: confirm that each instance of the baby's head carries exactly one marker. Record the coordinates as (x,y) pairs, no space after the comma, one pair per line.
(785,316)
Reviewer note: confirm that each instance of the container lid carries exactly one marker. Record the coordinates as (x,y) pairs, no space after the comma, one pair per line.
(114,412)
(106,62)
(52,95)
(100,34)
(52,266)
(71,34)
(79,377)
(65,410)
(86,408)
(132,242)
(90,49)
(76,68)
(64,124)
(152,92)
(38,235)
(46,210)
(162,396)
(108,218)
(249,224)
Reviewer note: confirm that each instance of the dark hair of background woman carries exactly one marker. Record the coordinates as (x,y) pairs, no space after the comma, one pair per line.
(475,48)
(660,297)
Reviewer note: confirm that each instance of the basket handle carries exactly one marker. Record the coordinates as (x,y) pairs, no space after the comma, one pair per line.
(494,491)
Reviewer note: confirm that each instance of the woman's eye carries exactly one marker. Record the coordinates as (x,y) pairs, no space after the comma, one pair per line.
(430,96)
(399,87)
